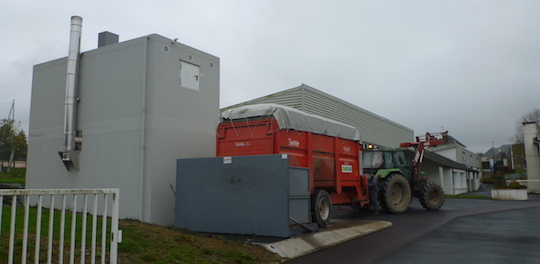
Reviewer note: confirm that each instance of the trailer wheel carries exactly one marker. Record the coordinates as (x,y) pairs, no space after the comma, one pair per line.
(321,208)
(432,196)
(395,193)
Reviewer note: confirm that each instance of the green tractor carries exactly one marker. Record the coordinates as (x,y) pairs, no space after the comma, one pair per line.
(400,177)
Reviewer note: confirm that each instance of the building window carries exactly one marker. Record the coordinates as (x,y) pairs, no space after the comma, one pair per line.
(463,156)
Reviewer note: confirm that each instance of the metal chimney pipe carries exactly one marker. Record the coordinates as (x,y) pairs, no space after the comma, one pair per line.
(72,59)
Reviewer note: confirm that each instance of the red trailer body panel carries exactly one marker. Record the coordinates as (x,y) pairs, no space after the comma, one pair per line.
(333,162)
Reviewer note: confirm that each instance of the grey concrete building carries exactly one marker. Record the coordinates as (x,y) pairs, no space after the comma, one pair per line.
(374,129)
(140,105)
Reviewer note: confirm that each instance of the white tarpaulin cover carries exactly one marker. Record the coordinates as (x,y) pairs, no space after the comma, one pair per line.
(291,118)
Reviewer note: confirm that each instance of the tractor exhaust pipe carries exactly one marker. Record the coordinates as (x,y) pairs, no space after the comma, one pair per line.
(69,112)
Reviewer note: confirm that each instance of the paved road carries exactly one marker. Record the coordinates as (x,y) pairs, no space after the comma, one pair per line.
(463,231)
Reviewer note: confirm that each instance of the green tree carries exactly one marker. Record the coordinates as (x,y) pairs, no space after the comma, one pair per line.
(532,116)
(13,143)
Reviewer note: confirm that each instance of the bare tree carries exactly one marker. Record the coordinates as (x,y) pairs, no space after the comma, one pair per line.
(532,116)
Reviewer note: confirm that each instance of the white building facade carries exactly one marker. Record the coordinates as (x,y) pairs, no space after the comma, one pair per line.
(532,149)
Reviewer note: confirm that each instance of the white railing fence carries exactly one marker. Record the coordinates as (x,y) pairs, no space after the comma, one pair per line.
(24,212)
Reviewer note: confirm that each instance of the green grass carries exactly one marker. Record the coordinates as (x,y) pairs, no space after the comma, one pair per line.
(15,175)
(145,243)
(12,180)
(142,243)
(19,227)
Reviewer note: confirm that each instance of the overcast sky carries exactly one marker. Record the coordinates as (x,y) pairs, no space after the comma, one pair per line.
(469,67)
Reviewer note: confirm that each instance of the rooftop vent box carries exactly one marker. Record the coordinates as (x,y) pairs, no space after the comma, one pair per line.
(106,38)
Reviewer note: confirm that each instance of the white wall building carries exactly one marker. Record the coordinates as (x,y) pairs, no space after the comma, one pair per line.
(467,180)
(454,177)
(532,149)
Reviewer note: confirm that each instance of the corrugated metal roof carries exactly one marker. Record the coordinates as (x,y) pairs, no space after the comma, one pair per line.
(373,128)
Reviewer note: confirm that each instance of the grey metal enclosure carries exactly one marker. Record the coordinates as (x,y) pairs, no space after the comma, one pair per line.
(140,105)
(255,195)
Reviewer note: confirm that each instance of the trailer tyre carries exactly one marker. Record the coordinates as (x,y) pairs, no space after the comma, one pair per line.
(321,208)
(395,193)
(432,196)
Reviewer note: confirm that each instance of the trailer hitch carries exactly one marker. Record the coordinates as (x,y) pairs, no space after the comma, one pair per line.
(313,229)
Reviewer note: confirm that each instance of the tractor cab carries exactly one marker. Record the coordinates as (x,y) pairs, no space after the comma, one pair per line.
(383,162)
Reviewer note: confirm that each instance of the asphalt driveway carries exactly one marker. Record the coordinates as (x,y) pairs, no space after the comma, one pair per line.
(463,231)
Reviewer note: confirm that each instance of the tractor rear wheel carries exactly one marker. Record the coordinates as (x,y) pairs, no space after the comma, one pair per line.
(321,208)
(395,193)
(432,196)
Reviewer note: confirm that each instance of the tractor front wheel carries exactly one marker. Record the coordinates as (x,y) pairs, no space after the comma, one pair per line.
(432,196)
(321,208)
(395,193)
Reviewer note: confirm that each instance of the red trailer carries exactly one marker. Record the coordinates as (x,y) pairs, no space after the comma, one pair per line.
(331,150)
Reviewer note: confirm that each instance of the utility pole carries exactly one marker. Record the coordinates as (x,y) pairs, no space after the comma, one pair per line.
(492,157)
(11,118)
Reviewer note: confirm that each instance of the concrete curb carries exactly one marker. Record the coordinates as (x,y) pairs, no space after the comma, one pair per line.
(308,243)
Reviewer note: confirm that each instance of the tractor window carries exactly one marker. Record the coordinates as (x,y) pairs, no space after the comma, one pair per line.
(401,160)
(372,159)
(388,159)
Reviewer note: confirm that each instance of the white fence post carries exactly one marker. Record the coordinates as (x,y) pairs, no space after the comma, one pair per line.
(35,209)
